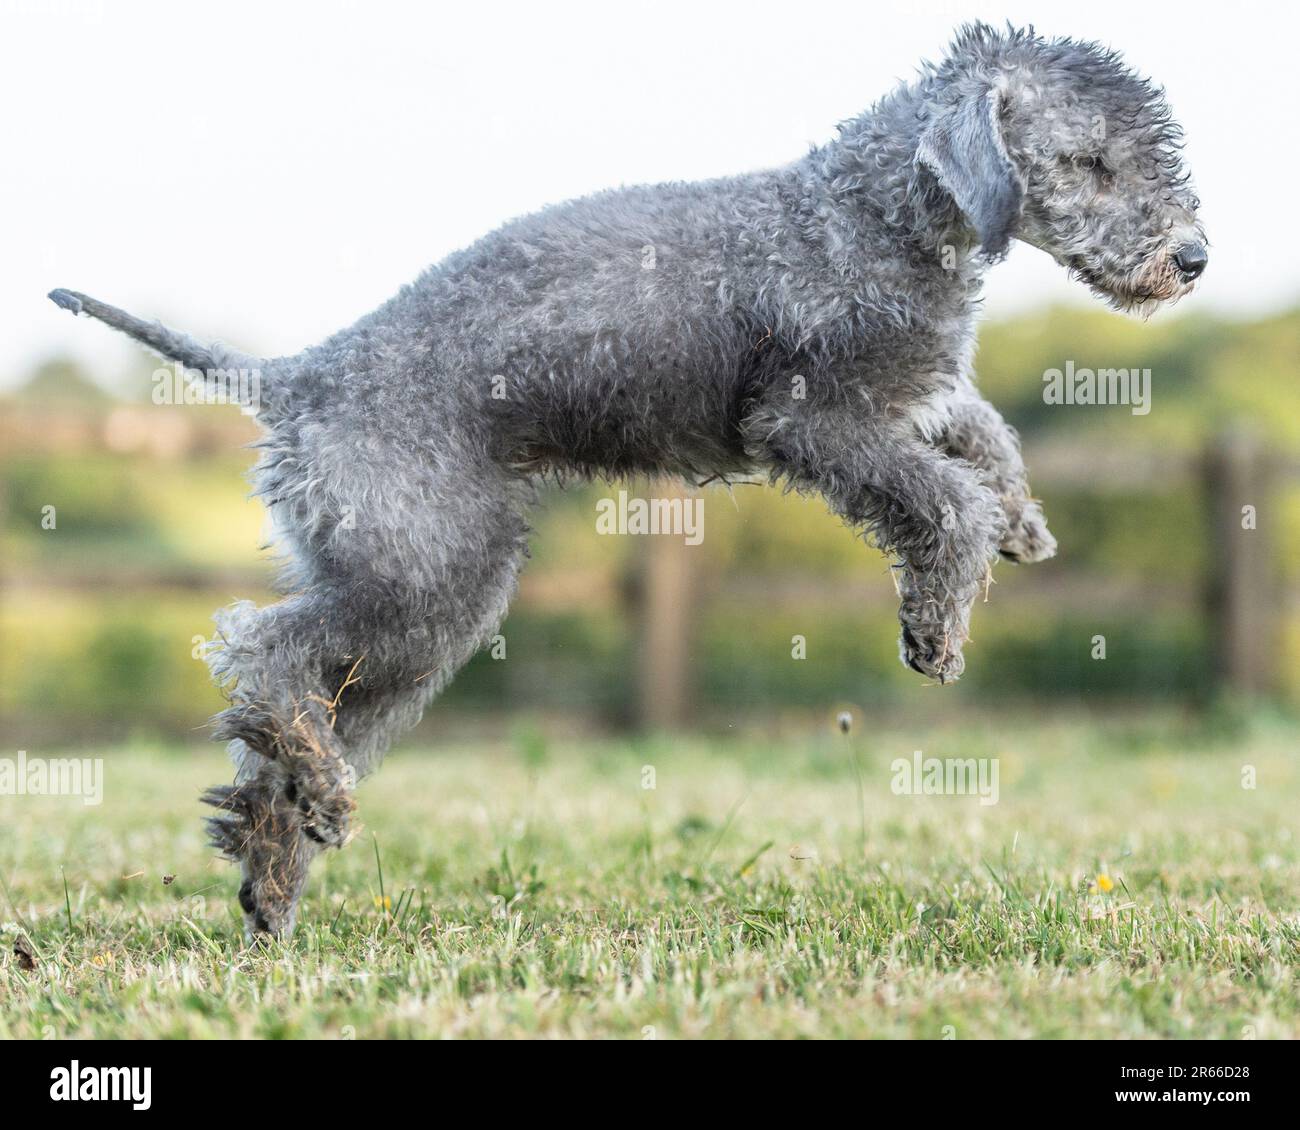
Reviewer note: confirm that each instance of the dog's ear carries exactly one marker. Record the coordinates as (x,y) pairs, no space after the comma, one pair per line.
(963,148)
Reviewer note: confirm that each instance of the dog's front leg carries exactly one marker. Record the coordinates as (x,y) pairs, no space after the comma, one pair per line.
(977,433)
(930,510)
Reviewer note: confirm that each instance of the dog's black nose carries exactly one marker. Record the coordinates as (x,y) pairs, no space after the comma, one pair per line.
(1191,259)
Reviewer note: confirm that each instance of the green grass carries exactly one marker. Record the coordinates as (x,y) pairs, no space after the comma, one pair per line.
(537,888)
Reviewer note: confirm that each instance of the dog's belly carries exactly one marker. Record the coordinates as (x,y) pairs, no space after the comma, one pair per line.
(657,416)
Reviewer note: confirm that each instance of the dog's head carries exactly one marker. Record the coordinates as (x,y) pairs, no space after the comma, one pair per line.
(1059,144)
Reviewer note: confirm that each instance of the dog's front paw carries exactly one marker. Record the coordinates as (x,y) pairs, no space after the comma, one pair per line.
(1027,538)
(935,656)
(933,633)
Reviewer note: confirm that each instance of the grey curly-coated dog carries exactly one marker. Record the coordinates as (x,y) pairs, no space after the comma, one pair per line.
(815,322)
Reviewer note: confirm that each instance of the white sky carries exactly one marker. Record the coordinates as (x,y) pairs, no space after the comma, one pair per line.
(266,173)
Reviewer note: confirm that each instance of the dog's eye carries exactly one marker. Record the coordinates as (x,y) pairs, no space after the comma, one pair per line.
(1091,164)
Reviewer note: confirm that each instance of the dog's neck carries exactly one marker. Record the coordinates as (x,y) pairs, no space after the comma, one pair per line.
(871,173)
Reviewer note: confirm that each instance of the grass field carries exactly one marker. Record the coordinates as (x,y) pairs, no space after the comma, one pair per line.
(1126,884)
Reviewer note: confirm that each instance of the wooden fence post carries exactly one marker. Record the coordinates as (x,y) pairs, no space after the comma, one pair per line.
(665,622)
(1244,597)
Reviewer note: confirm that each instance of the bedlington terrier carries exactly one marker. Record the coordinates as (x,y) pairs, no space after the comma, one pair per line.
(814,322)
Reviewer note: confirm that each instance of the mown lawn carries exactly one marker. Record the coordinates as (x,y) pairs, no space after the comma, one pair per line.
(761,888)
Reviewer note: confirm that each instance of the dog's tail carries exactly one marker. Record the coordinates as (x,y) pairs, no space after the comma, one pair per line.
(219,366)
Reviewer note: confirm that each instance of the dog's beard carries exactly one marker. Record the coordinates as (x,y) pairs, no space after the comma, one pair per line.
(1153,285)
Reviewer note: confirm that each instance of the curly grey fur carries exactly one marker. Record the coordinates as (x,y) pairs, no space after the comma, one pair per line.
(400,454)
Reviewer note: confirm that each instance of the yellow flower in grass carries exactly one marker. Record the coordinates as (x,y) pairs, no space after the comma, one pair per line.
(102,960)
(1103,884)
(385,903)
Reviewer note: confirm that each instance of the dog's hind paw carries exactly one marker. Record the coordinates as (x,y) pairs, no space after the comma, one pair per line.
(322,795)
(228,833)
(318,782)
(260,828)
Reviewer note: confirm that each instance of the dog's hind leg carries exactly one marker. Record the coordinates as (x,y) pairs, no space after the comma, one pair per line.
(448,603)
(292,793)
(321,682)
(382,699)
